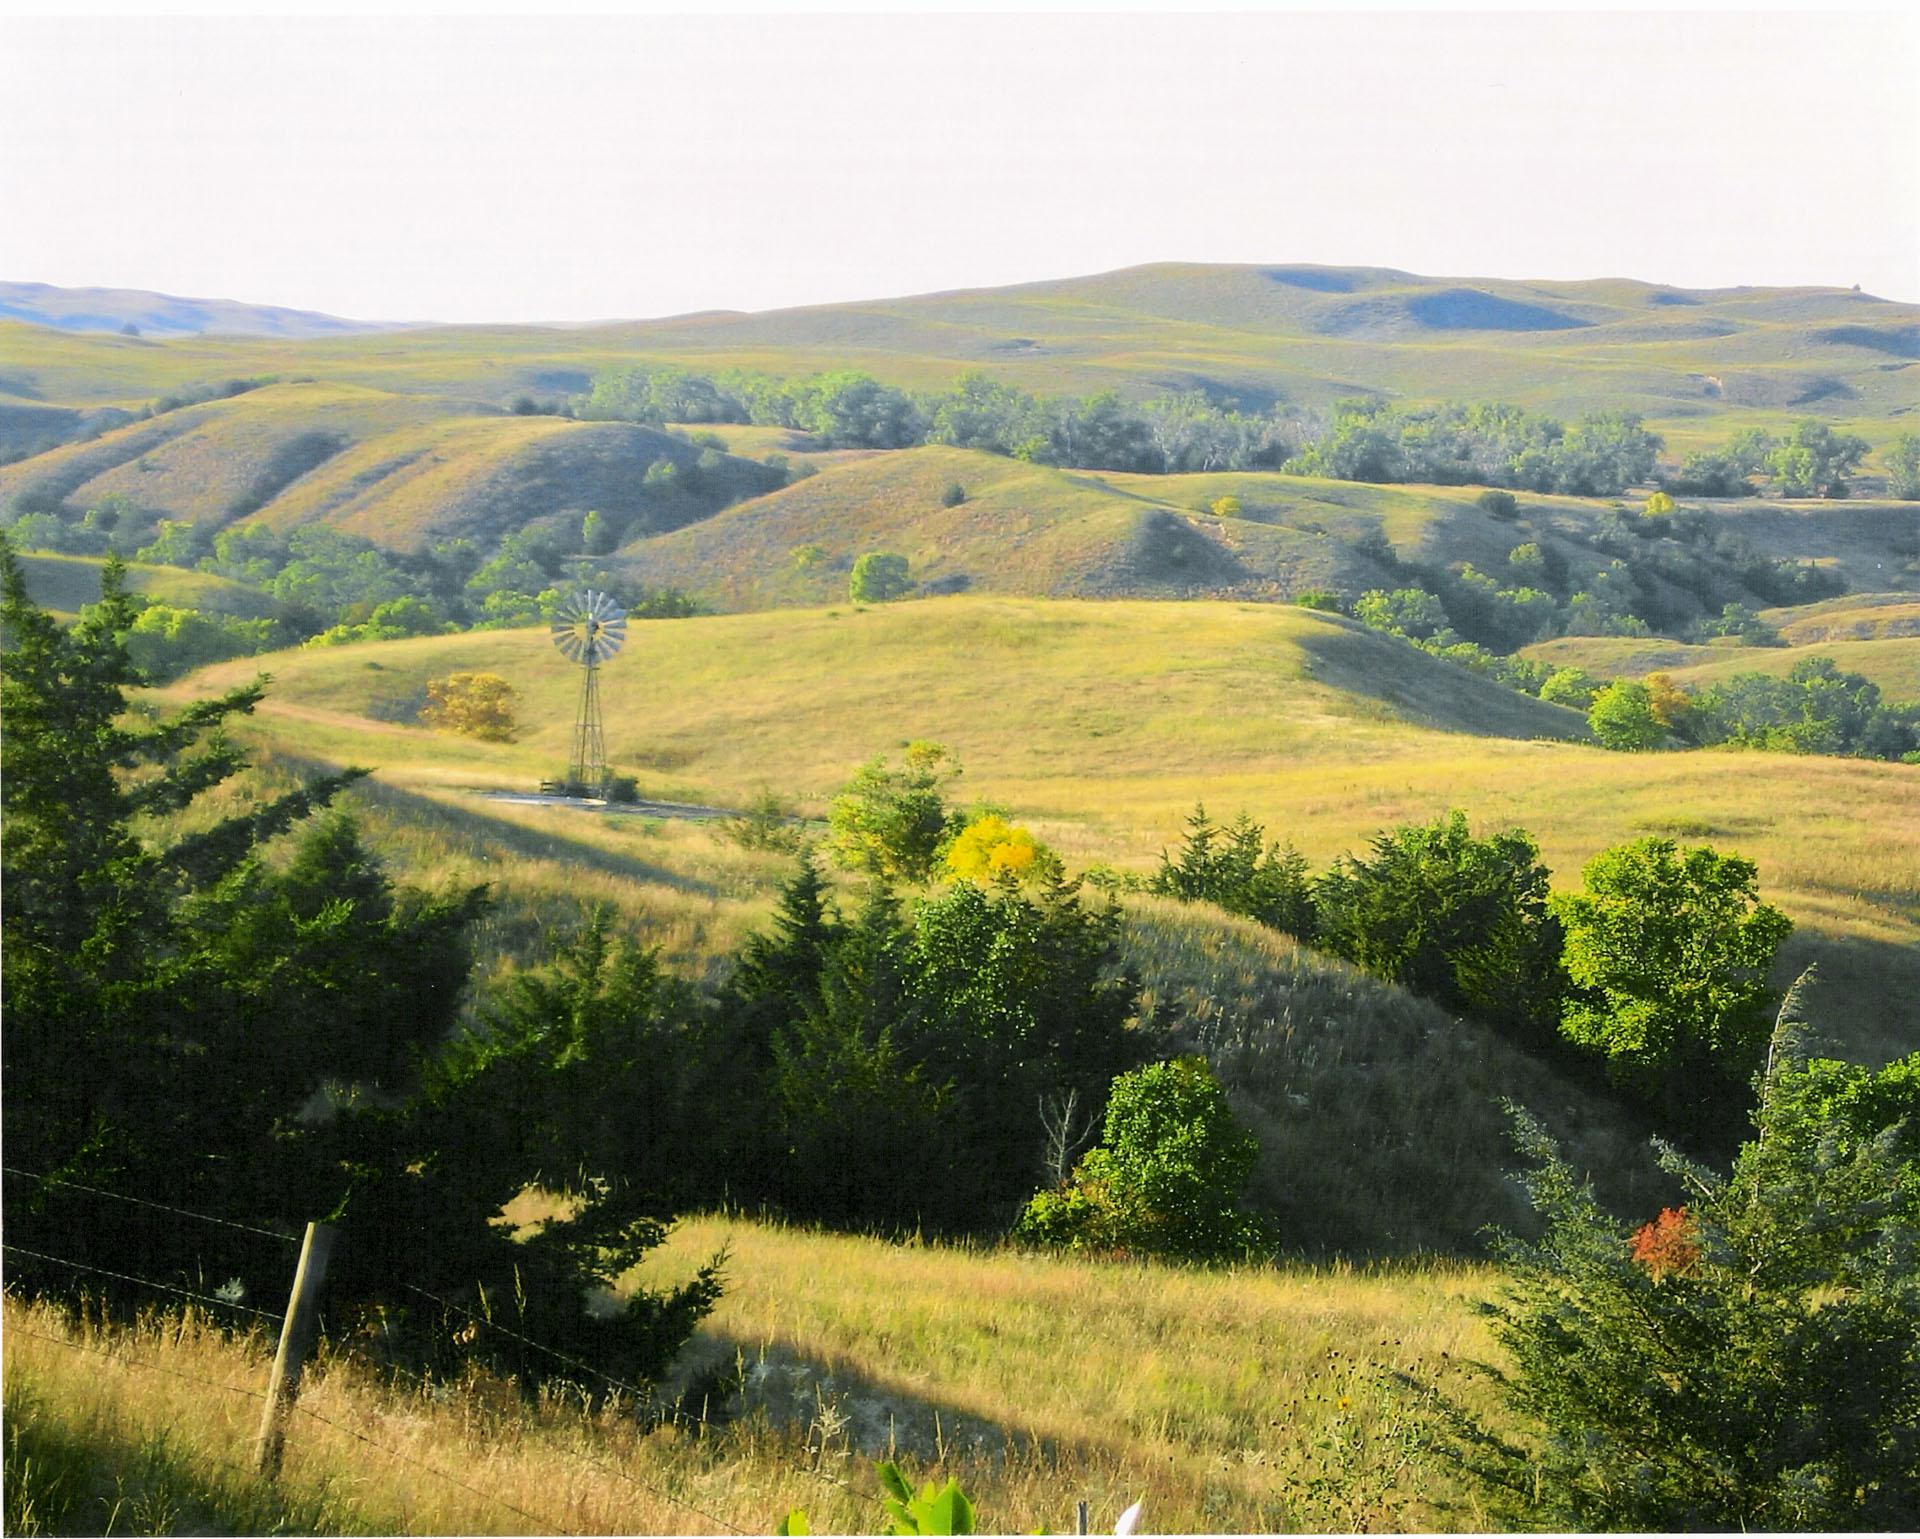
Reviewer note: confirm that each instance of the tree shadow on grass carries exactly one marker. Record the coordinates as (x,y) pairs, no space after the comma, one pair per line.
(498,837)
(1865,1004)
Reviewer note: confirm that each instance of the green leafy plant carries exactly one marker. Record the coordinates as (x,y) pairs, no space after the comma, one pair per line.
(934,1510)
(893,823)
(1668,950)
(1622,718)
(1166,1178)
(879,576)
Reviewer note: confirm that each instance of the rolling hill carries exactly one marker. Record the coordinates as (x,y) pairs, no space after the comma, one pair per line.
(139,312)
(1688,359)
(65,584)
(1101,724)
(397,469)
(1892,662)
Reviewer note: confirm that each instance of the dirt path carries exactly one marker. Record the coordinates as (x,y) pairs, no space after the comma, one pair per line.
(688,810)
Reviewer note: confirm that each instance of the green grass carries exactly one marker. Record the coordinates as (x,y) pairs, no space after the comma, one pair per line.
(65,584)
(1101,724)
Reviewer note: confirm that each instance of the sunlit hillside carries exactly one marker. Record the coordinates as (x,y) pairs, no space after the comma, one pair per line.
(1684,358)
(397,469)
(1101,724)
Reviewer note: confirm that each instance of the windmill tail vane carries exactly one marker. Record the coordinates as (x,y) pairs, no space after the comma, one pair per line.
(588,629)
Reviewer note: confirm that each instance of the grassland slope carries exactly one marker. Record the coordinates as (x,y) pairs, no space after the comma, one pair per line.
(1021,529)
(65,584)
(1041,532)
(397,469)
(1892,662)
(1252,334)
(1101,724)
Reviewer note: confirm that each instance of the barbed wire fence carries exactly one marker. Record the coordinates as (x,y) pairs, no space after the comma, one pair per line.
(635,1393)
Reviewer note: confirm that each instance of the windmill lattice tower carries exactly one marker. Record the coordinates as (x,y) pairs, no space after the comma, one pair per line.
(588,630)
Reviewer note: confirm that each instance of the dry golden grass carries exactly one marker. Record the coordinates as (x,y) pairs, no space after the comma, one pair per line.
(1226,1401)
(1101,724)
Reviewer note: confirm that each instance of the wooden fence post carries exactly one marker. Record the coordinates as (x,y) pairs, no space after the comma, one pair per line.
(296,1338)
(1080,1518)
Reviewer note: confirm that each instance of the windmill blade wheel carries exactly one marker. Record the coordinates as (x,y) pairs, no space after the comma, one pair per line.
(589,628)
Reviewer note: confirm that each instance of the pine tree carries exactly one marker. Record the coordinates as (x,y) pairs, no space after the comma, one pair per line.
(1749,1360)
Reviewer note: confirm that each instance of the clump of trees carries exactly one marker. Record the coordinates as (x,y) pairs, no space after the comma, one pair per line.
(1817,708)
(1903,466)
(846,409)
(912,1037)
(1812,460)
(239,1014)
(1654,973)
(1481,445)
(1750,1360)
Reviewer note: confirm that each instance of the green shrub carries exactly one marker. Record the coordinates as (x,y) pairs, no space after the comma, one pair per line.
(1622,718)
(1570,686)
(1166,1178)
(953,495)
(1323,599)
(1668,951)
(1459,919)
(1498,504)
(879,576)
(1234,868)
(893,823)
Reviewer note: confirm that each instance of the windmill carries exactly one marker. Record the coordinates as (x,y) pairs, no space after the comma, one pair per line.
(588,629)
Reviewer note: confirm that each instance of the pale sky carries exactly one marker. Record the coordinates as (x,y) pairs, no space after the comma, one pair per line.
(509,168)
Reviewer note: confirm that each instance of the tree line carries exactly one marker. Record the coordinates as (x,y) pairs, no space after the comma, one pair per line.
(1654,974)
(1366,439)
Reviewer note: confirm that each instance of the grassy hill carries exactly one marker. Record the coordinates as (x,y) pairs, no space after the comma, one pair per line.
(1852,617)
(1041,532)
(397,469)
(1892,662)
(1023,529)
(1689,359)
(1101,724)
(65,584)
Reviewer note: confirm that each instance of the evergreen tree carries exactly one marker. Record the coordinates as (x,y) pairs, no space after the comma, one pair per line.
(1751,1360)
(203,1020)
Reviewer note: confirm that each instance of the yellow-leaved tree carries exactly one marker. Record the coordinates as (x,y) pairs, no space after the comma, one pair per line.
(991,849)
(475,704)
